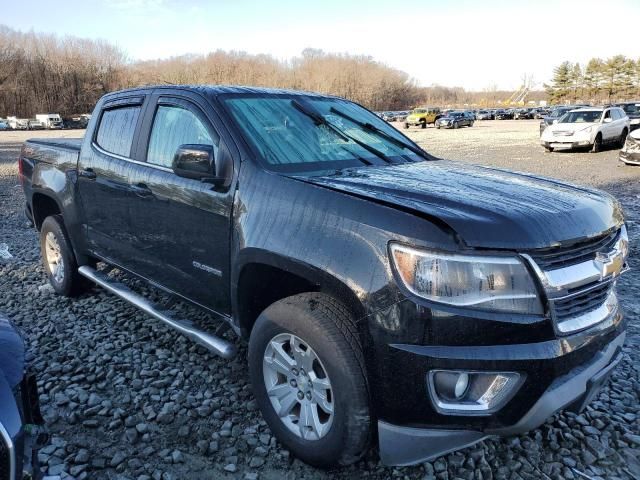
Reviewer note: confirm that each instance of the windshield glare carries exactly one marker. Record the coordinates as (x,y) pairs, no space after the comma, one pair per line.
(633,108)
(589,116)
(287,139)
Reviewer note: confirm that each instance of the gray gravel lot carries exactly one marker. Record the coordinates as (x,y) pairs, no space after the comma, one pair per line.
(125,398)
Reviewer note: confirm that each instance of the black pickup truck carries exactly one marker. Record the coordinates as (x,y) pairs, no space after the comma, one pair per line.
(386,295)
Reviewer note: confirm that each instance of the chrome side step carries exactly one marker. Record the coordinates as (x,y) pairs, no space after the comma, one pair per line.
(215,344)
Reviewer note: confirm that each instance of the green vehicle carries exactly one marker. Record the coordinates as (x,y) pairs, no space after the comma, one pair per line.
(422,117)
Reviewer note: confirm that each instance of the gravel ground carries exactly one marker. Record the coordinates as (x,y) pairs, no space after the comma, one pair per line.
(124,398)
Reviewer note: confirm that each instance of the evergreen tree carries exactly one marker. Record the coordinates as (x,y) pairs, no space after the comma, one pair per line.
(560,87)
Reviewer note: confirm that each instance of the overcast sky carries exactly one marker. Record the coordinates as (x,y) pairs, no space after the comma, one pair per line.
(472,44)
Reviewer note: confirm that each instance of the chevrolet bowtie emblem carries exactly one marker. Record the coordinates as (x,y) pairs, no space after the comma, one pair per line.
(610,263)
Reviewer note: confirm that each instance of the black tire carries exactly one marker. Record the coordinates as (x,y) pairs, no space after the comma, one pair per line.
(71,282)
(597,144)
(423,125)
(623,138)
(328,328)
(549,149)
(406,125)
(471,124)
(455,125)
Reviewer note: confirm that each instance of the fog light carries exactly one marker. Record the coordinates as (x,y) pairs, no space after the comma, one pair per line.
(471,393)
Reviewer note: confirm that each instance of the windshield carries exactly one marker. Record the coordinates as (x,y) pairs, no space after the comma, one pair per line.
(587,116)
(633,108)
(289,138)
(419,110)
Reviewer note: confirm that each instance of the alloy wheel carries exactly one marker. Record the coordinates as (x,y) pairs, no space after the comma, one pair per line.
(53,256)
(298,386)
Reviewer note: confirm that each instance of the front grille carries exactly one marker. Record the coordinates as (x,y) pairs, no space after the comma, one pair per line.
(5,456)
(581,303)
(564,256)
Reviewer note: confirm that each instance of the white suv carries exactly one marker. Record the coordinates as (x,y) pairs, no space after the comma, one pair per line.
(587,127)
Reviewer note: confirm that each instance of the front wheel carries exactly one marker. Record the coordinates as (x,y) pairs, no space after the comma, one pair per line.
(58,258)
(455,125)
(423,125)
(597,144)
(406,125)
(307,372)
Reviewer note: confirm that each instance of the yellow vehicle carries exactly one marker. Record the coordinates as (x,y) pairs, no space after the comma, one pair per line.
(422,117)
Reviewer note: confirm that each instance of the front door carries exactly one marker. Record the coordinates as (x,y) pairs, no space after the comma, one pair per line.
(183,224)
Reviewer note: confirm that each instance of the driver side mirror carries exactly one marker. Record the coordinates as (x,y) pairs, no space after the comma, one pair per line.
(198,162)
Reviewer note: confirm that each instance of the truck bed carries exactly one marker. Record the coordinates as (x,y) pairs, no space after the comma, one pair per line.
(67,143)
(56,151)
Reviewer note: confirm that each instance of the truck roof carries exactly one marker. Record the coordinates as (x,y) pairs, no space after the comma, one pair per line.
(215,90)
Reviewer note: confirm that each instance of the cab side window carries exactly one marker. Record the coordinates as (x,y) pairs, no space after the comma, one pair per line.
(607,114)
(116,130)
(174,126)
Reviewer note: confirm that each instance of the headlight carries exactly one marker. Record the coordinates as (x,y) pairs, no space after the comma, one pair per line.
(472,281)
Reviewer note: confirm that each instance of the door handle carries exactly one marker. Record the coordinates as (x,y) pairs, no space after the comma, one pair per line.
(88,173)
(141,190)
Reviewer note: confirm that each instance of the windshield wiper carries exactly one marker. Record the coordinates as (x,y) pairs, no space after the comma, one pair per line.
(383,134)
(320,120)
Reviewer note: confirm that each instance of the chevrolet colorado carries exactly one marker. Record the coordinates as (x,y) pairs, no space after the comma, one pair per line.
(386,295)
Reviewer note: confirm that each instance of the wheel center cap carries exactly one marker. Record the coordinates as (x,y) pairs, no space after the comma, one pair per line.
(303,382)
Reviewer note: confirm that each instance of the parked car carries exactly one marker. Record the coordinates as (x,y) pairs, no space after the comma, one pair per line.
(587,127)
(51,121)
(389,116)
(504,115)
(16,123)
(632,109)
(402,116)
(484,115)
(554,116)
(4,125)
(21,424)
(35,124)
(523,114)
(421,117)
(455,120)
(385,294)
(76,121)
(630,153)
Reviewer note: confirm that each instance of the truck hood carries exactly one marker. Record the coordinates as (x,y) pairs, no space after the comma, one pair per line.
(486,207)
(11,352)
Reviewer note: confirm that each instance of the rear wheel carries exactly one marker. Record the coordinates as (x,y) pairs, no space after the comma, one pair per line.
(406,125)
(623,138)
(307,372)
(597,144)
(58,258)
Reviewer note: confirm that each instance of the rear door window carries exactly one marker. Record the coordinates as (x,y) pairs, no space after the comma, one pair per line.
(174,126)
(116,130)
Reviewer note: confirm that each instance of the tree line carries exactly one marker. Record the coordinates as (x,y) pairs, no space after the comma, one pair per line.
(614,79)
(43,73)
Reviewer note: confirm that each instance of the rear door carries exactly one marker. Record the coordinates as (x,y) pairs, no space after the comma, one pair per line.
(182,225)
(104,168)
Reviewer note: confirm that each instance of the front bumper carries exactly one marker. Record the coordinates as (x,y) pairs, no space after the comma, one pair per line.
(405,445)
(21,430)
(567,144)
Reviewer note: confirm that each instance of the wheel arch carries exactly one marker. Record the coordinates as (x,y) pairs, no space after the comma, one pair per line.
(276,277)
(42,206)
